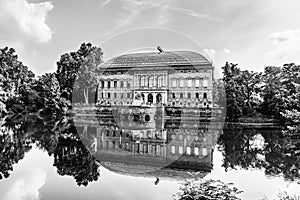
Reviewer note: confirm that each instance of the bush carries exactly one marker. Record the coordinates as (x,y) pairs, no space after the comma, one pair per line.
(206,190)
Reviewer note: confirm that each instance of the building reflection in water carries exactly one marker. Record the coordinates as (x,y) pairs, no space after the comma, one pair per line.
(162,142)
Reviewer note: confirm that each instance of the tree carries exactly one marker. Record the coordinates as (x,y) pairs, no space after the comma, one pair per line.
(206,190)
(86,79)
(281,91)
(232,83)
(13,73)
(79,66)
(250,89)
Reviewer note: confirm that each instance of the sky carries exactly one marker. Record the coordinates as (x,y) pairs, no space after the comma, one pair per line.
(252,33)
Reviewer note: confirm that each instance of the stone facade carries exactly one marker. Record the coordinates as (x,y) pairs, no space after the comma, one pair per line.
(179,78)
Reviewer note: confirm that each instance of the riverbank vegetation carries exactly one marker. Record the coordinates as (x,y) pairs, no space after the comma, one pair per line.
(274,93)
(51,92)
(271,94)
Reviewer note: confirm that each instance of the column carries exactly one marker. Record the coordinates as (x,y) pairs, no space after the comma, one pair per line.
(154,98)
(146,97)
(163,98)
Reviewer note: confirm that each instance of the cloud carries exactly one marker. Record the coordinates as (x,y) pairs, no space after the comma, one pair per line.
(131,10)
(211,52)
(284,36)
(284,46)
(26,187)
(227,50)
(191,13)
(104,4)
(23,21)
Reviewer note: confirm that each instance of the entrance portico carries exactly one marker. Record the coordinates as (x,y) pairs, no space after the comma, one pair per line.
(152,97)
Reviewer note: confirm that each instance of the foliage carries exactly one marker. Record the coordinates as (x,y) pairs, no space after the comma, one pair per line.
(206,190)
(286,196)
(242,89)
(13,73)
(281,91)
(78,67)
(277,154)
(58,136)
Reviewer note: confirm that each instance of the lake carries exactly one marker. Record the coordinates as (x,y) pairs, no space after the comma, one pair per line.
(139,155)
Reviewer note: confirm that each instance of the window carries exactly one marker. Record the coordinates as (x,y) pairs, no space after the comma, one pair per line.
(204,95)
(122,84)
(151,80)
(102,84)
(160,81)
(128,84)
(205,83)
(173,149)
(108,84)
(196,151)
(115,84)
(197,95)
(173,95)
(188,150)
(204,151)
(105,84)
(128,95)
(115,95)
(189,82)
(181,83)
(174,83)
(121,96)
(180,150)
(189,95)
(108,95)
(181,95)
(142,81)
(197,83)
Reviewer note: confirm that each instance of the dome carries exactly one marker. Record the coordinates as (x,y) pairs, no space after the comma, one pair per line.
(155,59)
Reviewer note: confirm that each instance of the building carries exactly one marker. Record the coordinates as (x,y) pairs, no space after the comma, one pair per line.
(166,148)
(175,78)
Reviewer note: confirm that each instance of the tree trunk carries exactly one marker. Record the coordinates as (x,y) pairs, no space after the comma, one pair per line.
(86,95)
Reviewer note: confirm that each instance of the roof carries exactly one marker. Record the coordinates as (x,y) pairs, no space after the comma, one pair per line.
(155,59)
(165,173)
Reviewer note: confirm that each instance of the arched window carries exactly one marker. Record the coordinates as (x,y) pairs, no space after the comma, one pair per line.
(151,80)
(205,82)
(189,82)
(159,81)
(204,95)
(142,83)
(173,82)
(188,150)
(181,83)
(197,82)
(146,82)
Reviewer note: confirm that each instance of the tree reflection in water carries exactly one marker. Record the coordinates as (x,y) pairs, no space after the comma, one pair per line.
(271,150)
(266,149)
(58,136)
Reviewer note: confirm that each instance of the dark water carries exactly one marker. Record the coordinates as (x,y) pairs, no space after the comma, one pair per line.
(125,156)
